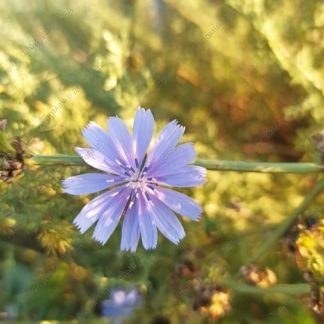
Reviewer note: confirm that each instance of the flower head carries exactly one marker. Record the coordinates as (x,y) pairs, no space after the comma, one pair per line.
(121,303)
(138,181)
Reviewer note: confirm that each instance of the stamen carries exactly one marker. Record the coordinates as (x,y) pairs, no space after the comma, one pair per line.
(119,162)
(145,170)
(151,187)
(147,196)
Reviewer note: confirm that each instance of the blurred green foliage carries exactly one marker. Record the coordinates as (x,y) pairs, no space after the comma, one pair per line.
(246,79)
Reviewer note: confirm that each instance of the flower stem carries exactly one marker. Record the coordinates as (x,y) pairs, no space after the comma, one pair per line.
(240,166)
(287,223)
(261,167)
(60,159)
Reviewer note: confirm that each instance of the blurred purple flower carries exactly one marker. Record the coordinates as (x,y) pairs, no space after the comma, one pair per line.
(121,303)
(137,181)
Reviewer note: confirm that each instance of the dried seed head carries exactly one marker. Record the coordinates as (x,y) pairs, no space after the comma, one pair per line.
(5,176)
(15,173)
(16,165)
(13,162)
(10,169)
(19,146)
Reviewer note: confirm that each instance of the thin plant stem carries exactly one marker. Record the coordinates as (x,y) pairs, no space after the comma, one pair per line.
(217,165)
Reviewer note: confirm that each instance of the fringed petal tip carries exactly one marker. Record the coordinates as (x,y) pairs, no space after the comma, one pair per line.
(79,227)
(128,249)
(100,241)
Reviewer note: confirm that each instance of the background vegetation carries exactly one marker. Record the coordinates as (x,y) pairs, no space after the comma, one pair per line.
(246,78)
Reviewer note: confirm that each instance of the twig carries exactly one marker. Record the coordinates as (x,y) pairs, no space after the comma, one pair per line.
(219,165)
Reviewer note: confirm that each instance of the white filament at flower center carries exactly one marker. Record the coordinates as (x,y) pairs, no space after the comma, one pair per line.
(136,178)
(138,184)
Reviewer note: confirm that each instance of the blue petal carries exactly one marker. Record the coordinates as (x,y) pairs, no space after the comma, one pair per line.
(109,309)
(121,139)
(179,202)
(165,143)
(108,221)
(177,159)
(93,210)
(125,298)
(189,176)
(130,230)
(142,133)
(166,221)
(100,141)
(133,298)
(89,183)
(118,296)
(97,160)
(147,227)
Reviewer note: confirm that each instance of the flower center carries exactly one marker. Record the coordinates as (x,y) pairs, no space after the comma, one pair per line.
(134,175)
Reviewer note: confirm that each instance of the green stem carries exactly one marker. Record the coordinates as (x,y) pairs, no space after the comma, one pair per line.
(287,223)
(261,167)
(58,159)
(240,166)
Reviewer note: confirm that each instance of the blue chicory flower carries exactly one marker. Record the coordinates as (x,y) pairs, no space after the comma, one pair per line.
(138,182)
(121,303)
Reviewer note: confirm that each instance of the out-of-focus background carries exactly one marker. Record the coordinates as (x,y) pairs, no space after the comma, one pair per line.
(246,78)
